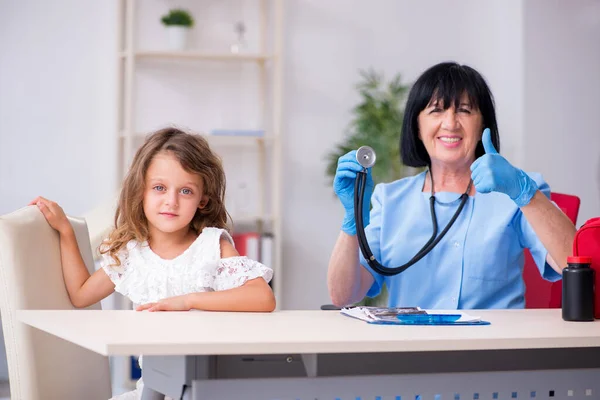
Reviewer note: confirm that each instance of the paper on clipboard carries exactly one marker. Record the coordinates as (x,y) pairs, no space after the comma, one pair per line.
(373,314)
(389,315)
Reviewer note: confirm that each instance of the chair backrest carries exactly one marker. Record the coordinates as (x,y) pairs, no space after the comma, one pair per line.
(569,204)
(42,366)
(539,293)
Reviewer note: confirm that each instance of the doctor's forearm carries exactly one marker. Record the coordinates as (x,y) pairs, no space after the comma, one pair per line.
(554,229)
(344,272)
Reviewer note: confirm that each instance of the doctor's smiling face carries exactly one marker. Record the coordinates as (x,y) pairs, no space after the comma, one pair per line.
(451,132)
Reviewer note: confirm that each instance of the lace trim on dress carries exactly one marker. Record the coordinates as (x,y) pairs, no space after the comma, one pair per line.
(233,272)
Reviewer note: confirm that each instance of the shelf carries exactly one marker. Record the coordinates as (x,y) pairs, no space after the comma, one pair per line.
(237,141)
(250,219)
(222,141)
(197,55)
(260,154)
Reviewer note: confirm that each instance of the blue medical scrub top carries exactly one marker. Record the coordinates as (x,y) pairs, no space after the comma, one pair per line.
(478,263)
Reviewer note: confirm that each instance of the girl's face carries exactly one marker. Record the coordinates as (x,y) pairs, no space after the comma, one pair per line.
(171,195)
(450,136)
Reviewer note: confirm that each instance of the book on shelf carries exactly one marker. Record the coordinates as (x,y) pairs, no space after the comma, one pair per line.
(256,247)
(266,249)
(266,252)
(248,244)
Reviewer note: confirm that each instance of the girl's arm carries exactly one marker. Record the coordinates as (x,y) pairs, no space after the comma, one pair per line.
(254,295)
(84,290)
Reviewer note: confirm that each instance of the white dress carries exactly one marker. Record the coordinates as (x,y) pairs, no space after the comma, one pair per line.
(144,277)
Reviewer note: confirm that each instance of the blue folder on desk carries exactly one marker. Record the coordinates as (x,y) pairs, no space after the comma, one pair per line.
(431,319)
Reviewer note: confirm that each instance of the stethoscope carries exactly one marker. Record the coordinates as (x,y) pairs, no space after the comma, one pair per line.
(366,157)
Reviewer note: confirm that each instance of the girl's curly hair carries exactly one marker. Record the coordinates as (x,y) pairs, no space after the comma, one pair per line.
(195,156)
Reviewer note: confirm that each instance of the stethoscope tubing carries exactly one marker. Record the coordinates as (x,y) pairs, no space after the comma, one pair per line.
(359,193)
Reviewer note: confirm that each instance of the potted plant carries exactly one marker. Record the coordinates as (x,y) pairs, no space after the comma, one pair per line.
(376,122)
(178,22)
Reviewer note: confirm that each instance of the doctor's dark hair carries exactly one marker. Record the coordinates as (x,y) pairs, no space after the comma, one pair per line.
(195,156)
(447,82)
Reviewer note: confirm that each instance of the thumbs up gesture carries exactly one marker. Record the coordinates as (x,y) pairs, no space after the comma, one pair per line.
(493,173)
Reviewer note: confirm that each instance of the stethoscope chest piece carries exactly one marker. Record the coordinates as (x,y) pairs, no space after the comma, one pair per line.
(365,156)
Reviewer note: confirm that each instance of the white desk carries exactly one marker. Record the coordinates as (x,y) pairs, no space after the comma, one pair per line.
(326,343)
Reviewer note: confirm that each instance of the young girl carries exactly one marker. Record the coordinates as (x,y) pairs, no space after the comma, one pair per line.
(170,249)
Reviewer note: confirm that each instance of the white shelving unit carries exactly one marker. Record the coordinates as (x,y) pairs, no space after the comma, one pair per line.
(194,55)
(266,60)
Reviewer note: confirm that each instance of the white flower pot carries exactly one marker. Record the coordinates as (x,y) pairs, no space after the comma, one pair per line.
(178,37)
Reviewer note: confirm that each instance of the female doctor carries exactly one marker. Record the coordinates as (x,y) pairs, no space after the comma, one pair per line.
(450,128)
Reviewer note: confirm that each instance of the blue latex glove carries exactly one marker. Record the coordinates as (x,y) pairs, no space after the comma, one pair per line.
(493,173)
(343,185)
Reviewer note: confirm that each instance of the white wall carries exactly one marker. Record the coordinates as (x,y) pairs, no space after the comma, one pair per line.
(57,113)
(562,97)
(57,93)
(326,43)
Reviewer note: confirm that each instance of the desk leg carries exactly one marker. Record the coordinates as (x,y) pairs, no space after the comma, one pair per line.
(173,375)
(150,394)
